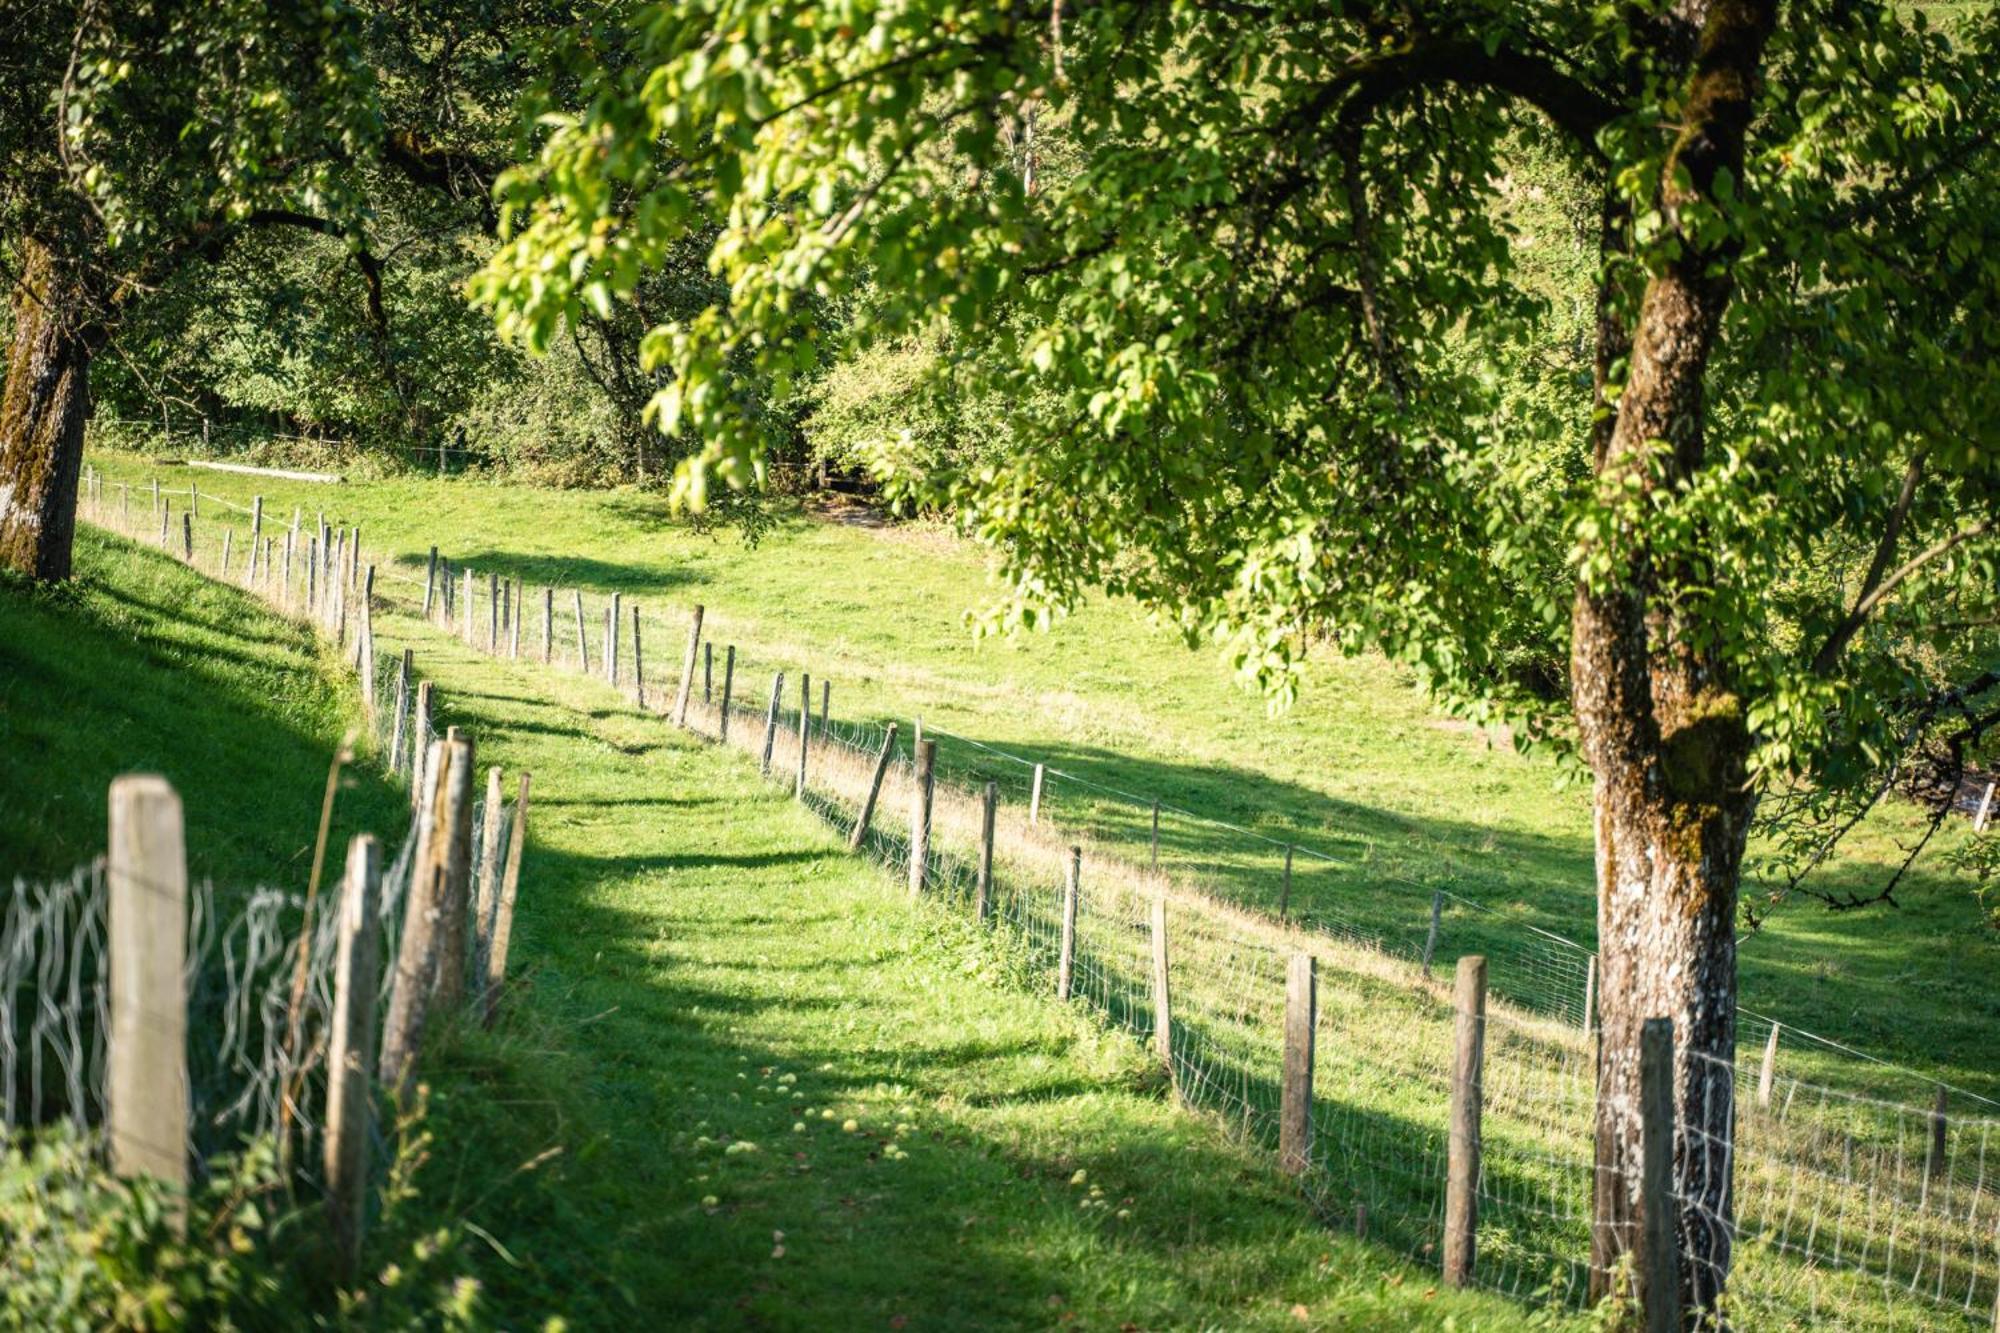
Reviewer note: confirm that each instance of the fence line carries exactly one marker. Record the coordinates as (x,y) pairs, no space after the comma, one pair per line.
(1850,1212)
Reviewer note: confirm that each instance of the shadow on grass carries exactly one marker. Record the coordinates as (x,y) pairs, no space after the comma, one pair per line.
(142,666)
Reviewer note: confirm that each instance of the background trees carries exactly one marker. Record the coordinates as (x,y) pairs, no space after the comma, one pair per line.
(1272,357)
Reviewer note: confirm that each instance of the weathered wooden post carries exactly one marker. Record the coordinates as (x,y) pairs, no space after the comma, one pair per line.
(187,538)
(1066,949)
(1767,1075)
(1163,1009)
(351,1051)
(1431,939)
(548,624)
(1938,1162)
(455,903)
(1590,993)
(1156,836)
(489,871)
(430,582)
(1659,1234)
(582,640)
(1461,1191)
(420,731)
(805,732)
(728,681)
(466,613)
(687,670)
(611,646)
(493,614)
(638,661)
(517,606)
(503,919)
(227,534)
(1035,799)
(156,494)
(399,727)
(416,953)
(861,821)
(1285,890)
(825,701)
(1295,1088)
(165,512)
(1985,808)
(923,789)
(708,673)
(194,498)
(989,807)
(771,722)
(146,1082)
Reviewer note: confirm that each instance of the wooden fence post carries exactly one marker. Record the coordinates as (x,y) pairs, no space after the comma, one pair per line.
(771,722)
(1035,799)
(1985,808)
(503,917)
(493,614)
(687,670)
(1156,836)
(708,672)
(465,610)
(1461,1191)
(187,538)
(517,593)
(489,871)
(430,582)
(582,639)
(1590,993)
(1768,1073)
(805,731)
(350,1051)
(982,899)
(194,498)
(861,820)
(367,649)
(416,953)
(228,533)
(1163,1010)
(1938,1161)
(165,512)
(920,816)
(156,494)
(548,624)
(1066,955)
(455,899)
(1431,939)
(1659,1237)
(399,729)
(638,661)
(1285,892)
(146,1081)
(1295,1088)
(611,647)
(420,730)
(825,700)
(728,680)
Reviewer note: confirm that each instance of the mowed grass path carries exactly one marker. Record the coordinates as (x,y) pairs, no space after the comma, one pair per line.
(1361,768)
(711,990)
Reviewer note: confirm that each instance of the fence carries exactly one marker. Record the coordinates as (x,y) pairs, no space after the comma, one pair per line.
(1849,1212)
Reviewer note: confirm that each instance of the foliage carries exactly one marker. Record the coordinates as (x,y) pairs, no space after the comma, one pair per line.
(1256,348)
(88,1251)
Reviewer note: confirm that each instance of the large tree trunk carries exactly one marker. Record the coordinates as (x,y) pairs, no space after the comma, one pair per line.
(42,412)
(1661,725)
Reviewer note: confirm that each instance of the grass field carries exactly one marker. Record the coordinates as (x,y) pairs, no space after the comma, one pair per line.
(1362,769)
(744,1081)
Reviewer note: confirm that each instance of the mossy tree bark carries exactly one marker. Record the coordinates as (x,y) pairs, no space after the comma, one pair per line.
(42,413)
(1662,727)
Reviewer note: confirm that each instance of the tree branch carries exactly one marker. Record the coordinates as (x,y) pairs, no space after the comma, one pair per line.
(1885,549)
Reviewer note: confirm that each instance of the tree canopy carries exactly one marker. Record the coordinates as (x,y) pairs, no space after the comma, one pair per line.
(1257,352)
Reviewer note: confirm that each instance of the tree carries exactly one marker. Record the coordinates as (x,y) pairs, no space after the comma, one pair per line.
(1254,335)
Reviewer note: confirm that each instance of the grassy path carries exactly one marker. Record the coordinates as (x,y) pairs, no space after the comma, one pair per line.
(787,1097)
(743,1082)
(1361,768)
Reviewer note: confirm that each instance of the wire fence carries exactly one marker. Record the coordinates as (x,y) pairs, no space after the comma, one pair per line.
(1847,1212)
